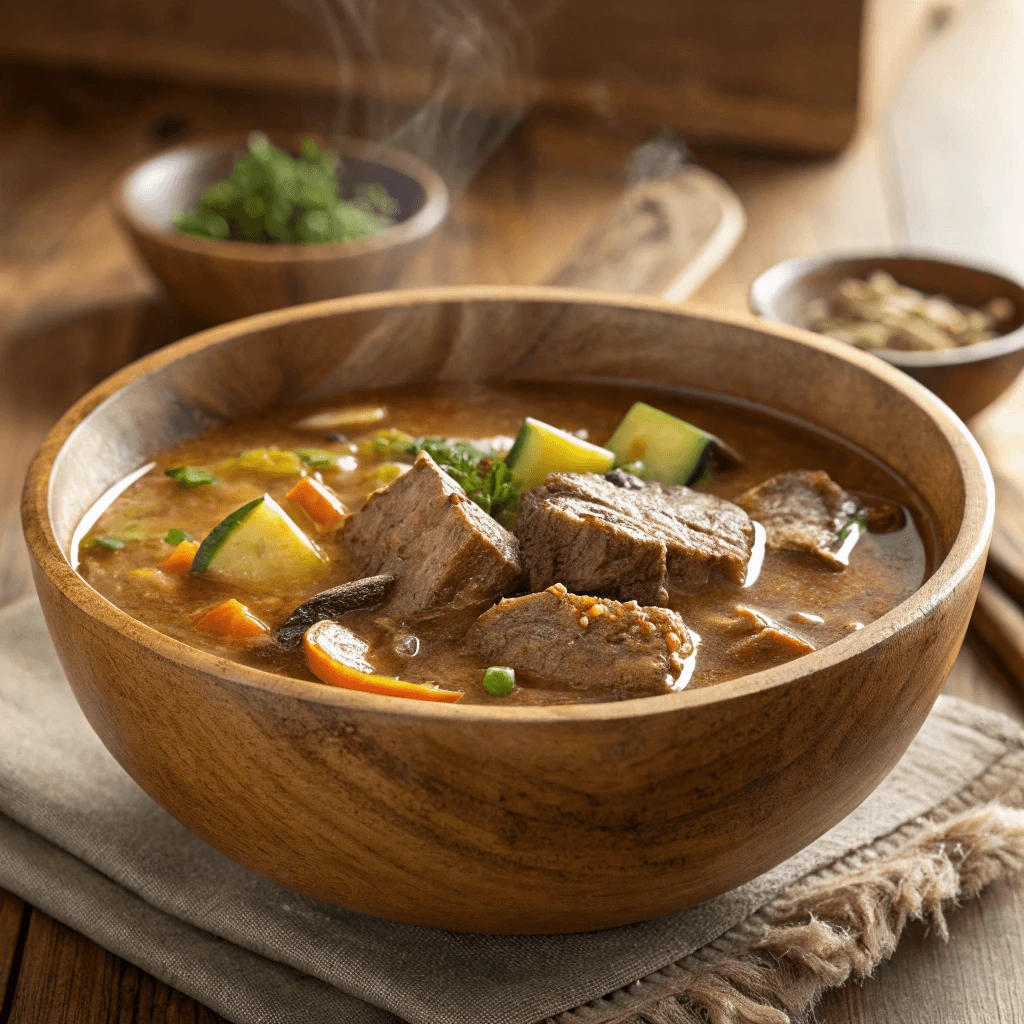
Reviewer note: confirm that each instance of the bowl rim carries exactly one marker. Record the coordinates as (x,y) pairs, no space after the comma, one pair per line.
(969,548)
(773,282)
(424,221)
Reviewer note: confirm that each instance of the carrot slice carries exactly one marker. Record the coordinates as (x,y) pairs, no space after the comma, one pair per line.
(321,504)
(324,659)
(232,619)
(180,559)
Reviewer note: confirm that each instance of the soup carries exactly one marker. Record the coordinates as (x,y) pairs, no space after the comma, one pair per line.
(526,544)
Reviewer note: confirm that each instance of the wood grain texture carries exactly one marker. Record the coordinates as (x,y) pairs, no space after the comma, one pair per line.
(13,923)
(664,237)
(66,979)
(420,811)
(785,74)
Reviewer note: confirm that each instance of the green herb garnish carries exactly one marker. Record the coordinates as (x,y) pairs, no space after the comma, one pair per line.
(110,543)
(315,458)
(272,196)
(859,520)
(499,680)
(176,536)
(485,479)
(190,476)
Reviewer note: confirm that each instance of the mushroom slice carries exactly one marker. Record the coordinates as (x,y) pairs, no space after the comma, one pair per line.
(330,604)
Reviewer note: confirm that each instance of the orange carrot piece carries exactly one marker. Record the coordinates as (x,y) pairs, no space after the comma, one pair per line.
(321,504)
(323,662)
(180,559)
(231,619)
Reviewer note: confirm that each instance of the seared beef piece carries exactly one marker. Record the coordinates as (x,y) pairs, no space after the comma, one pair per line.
(586,643)
(581,530)
(444,551)
(801,511)
(765,638)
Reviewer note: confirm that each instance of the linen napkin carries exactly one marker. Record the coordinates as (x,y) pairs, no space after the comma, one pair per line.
(82,842)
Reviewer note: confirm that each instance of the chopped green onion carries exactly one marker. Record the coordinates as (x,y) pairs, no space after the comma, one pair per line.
(316,458)
(860,520)
(110,543)
(190,476)
(176,536)
(499,680)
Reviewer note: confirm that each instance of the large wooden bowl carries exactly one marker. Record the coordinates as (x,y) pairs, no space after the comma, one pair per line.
(224,280)
(484,818)
(967,379)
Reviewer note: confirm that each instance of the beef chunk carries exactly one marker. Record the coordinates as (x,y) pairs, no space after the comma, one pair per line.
(765,639)
(444,551)
(587,643)
(801,511)
(582,530)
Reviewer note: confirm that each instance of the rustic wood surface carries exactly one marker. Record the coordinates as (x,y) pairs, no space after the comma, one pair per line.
(700,68)
(75,306)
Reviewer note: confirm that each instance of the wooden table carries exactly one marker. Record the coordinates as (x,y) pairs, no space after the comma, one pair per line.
(933,168)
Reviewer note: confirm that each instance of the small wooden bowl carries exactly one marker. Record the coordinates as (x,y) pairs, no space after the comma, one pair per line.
(221,281)
(966,379)
(496,819)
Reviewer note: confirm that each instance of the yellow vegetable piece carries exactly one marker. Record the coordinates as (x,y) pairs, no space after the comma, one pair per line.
(350,416)
(272,461)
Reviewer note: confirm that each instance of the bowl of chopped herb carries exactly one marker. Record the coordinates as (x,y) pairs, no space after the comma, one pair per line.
(241,225)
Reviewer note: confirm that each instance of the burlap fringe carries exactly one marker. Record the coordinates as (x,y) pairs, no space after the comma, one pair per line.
(834,927)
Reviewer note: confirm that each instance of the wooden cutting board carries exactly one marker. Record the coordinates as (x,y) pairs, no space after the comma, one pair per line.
(664,237)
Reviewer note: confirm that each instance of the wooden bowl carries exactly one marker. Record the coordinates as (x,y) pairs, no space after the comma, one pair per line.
(484,818)
(221,281)
(966,379)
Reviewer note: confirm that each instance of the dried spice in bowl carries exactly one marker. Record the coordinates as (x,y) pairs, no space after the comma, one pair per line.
(881,313)
(272,196)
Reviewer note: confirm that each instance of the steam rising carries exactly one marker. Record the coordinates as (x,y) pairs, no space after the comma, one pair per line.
(444,79)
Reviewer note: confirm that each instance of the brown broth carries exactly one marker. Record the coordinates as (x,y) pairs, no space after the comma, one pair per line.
(884,569)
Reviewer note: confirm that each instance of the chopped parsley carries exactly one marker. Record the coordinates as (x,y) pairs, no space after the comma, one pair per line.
(486,479)
(110,543)
(176,536)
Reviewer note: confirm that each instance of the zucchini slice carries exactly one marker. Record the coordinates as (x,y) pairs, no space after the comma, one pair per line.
(258,545)
(541,449)
(658,446)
